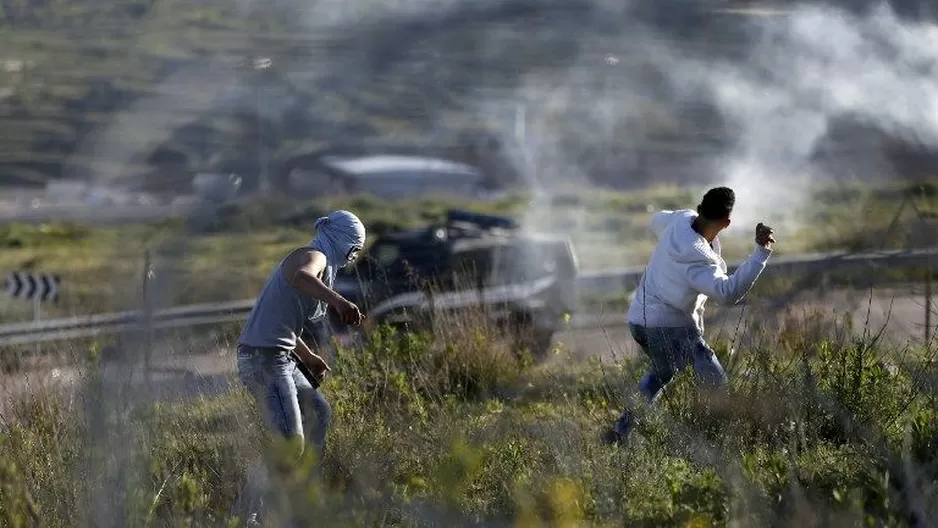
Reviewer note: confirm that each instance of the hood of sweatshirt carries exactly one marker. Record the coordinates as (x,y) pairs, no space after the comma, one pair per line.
(684,245)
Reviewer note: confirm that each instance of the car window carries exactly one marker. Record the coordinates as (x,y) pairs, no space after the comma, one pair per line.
(522,262)
(410,263)
(373,260)
(384,255)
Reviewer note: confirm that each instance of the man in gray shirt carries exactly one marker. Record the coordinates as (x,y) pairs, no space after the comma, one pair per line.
(271,354)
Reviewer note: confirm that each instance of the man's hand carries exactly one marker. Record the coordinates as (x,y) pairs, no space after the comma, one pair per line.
(318,365)
(349,314)
(311,362)
(765,236)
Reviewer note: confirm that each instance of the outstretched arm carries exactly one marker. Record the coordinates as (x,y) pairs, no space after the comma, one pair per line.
(711,280)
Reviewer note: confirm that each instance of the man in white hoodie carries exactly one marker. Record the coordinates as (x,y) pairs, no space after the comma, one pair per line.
(666,316)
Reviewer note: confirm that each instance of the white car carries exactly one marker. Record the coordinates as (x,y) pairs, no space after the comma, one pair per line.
(390,176)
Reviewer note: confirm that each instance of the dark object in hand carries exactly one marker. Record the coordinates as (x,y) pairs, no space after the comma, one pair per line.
(308,374)
(765,235)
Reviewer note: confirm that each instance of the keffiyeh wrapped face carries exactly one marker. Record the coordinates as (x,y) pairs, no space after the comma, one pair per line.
(340,235)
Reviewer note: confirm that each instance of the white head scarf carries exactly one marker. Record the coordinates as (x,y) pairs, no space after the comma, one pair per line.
(337,235)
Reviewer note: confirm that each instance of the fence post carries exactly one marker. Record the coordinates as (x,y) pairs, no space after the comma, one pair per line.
(147,315)
(928,307)
(431,305)
(36,317)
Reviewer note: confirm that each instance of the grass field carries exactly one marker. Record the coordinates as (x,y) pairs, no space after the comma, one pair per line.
(228,256)
(814,430)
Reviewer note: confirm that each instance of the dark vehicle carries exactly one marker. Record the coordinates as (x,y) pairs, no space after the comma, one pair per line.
(524,283)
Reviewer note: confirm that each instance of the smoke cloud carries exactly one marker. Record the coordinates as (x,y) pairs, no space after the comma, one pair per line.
(808,69)
(593,93)
(775,104)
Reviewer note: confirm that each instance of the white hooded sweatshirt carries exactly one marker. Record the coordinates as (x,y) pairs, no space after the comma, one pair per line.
(684,270)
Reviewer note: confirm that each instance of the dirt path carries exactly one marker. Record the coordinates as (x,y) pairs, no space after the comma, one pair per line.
(900,313)
(201,366)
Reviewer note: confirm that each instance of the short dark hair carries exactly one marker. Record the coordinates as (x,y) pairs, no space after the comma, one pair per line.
(717,204)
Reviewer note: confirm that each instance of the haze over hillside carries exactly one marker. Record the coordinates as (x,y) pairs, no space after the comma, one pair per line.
(145,93)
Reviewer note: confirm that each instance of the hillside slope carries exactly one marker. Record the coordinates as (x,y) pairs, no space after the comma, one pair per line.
(146,92)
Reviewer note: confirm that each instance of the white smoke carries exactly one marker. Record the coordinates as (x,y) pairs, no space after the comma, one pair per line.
(808,68)
(805,69)
(778,96)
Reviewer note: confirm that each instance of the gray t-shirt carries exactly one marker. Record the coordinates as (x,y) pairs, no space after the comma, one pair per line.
(281,311)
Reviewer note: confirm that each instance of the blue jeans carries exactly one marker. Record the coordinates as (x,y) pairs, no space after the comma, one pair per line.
(290,405)
(671,350)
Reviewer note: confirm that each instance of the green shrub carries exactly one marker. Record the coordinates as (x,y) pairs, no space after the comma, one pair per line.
(451,427)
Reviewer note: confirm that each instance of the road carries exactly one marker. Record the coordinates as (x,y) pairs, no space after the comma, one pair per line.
(98,215)
(900,313)
(192,364)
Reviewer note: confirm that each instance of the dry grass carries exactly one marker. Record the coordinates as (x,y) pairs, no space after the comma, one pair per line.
(817,428)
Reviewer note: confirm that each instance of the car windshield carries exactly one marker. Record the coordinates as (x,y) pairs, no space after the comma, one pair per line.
(398,260)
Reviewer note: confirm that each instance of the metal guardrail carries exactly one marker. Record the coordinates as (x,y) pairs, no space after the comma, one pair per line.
(99,324)
(606,282)
(626,279)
